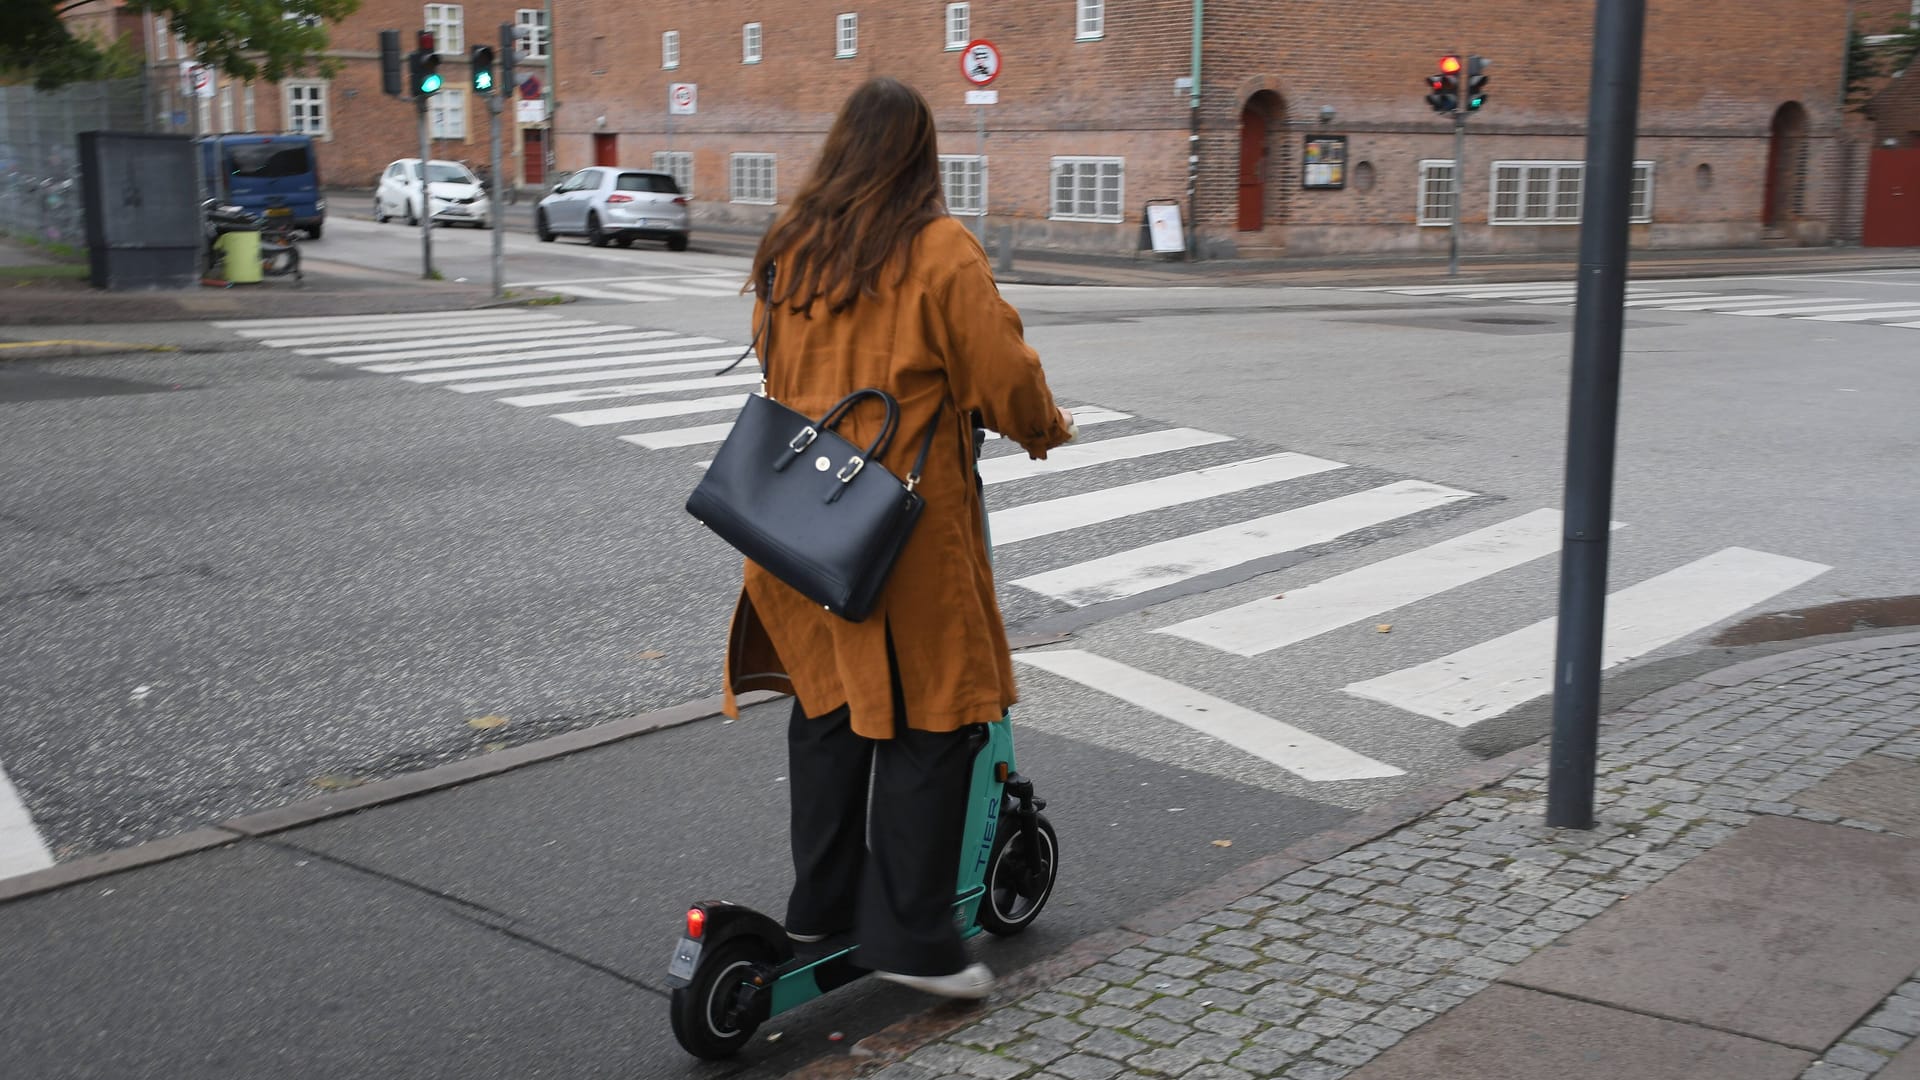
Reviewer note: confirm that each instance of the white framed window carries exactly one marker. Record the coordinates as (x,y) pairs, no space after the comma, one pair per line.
(447,113)
(306,107)
(533,21)
(846,34)
(160,37)
(963,177)
(226,107)
(447,23)
(247,100)
(1088,188)
(1436,192)
(1089,20)
(959,26)
(751,179)
(677,164)
(750,43)
(1550,192)
(670,49)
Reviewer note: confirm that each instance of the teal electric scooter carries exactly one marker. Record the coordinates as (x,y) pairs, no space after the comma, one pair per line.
(734,967)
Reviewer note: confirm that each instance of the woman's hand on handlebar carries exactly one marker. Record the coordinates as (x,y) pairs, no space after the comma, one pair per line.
(1066,419)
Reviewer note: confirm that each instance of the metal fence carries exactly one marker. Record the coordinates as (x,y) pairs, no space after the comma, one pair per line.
(40,152)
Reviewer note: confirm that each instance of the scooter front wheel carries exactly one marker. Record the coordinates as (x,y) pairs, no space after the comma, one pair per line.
(717,1013)
(1020,874)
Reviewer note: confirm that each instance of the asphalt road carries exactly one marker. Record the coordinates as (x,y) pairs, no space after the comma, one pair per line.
(249,571)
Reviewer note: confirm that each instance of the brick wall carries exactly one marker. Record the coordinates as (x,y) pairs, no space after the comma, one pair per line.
(1716,75)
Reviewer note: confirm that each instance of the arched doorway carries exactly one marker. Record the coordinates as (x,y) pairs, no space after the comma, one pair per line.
(1256,155)
(1786,166)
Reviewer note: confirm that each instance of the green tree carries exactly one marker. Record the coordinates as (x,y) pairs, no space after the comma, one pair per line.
(1870,61)
(245,39)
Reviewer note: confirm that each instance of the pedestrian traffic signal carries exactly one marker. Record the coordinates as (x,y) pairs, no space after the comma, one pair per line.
(1476,82)
(390,63)
(482,60)
(1444,95)
(423,68)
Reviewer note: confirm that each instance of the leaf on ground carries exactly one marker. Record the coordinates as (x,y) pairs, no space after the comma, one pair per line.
(1223,843)
(487,723)
(1384,628)
(337,783)
(493,747)
(652,654)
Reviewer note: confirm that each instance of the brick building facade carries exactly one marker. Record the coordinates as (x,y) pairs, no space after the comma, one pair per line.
(357,128)
(1742,134)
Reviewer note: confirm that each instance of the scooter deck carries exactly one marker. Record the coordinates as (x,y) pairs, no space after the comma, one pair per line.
(822,967)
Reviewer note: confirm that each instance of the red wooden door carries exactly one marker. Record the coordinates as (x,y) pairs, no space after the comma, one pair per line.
(1253,152)
(533,155)
(1893,200)
(606,150)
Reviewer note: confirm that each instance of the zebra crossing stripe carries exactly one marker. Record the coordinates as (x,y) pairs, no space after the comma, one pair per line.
(1678,301)
(677,288)
(626,357)
(523,326)
(21,848)
(1270,623)
(642,342)
(1083,415)
(585,293)
(1824,307)
(1143,569)
(1856,316)
(572,377)
(1017,523)
(457,317)
(417,351)
(1008,467)
(1486,680)
(467,343)
(604,393)
(1301,753)
(654,410)
(1473,290)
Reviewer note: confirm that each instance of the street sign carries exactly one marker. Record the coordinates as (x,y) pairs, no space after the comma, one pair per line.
(529,112)
(682,98)
(202,79)
(1164,229)
(983,97)
(530,86)
(980,62)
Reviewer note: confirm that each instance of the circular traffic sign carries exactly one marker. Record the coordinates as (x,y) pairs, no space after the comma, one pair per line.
(980,62)
(683,95)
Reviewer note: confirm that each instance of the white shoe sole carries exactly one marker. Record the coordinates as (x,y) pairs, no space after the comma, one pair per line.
(972,983)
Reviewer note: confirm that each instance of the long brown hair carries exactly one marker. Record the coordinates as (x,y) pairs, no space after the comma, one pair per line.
(876,185)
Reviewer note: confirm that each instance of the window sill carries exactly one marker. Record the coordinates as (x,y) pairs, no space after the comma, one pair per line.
(754,202)
(749,63)
(1116,220)
(844,55)
(1089,37)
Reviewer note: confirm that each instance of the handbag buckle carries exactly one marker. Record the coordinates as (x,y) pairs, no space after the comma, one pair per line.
(850,470)
(803,440)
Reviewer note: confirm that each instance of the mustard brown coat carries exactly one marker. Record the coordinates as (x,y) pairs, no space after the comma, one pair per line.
(945,344)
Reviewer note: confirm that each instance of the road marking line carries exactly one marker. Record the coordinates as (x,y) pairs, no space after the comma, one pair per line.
(679,288)
(1485,680)
(1301,753)
(1858,316)
(1681,304)
(1017,466)
(627,357)
(1907,324)
(1017,523)
(22,850)
(604,393)
(443,352)
(504,328)
(279,325)
(585,293)
(1826,307)
(574,377)
(468,343)
(646,342)
(719,275)
(1469,290)
(653,411)
(1084,416)
(1143,569)
(1271,623)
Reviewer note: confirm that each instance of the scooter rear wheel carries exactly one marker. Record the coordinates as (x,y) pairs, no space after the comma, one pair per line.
(1020,874)
(706,1013)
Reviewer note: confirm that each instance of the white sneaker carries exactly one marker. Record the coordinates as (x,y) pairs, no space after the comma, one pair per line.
(971,983)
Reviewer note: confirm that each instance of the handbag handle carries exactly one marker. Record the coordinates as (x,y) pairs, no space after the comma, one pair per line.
(845,405)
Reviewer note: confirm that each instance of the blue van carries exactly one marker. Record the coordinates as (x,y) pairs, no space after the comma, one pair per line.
(275,176)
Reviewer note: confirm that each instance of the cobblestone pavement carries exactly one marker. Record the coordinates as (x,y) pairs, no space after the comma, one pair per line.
(1314,975)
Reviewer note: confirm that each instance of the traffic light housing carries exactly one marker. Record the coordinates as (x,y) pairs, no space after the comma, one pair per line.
(390,73)
(1444,88)
(481,58)
(423,68)
(1476,83)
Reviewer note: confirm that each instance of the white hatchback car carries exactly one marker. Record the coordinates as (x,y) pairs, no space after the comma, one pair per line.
(620,206)
(454,195)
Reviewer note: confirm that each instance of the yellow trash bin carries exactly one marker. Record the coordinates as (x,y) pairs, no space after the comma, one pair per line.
(239,257)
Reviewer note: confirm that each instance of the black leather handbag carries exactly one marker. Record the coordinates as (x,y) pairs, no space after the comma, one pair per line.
(814,510)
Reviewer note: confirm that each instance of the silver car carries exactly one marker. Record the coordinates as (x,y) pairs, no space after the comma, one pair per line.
(616,205)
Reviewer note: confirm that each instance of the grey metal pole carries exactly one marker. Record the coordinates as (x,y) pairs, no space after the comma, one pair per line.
(496,104)
(426,203)
(1459,177)
(981,113)
(1593,409)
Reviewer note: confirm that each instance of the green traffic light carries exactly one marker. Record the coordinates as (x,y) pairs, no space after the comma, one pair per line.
(430,84)
(483,81)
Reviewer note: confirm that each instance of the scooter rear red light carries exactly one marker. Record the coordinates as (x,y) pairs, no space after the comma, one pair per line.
(696,923)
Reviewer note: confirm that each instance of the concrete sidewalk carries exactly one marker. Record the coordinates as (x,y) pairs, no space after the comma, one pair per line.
(1748,909)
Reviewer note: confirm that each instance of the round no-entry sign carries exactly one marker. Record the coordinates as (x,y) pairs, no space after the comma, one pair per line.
(980,62)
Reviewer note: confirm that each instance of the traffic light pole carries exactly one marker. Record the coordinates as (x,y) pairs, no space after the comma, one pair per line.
(426,202)
(1593,412)
(496,104)
(1459,184)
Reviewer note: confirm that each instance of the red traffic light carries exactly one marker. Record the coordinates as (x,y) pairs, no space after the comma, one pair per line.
(424,41)
(1450,65)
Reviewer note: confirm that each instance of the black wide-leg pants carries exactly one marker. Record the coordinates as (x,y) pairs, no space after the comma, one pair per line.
(886,869)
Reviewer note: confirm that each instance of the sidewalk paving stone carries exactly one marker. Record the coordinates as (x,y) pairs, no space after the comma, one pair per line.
(1702,830)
